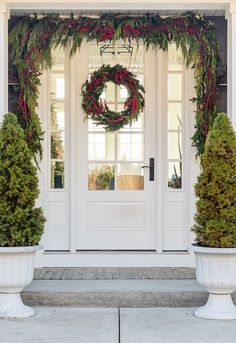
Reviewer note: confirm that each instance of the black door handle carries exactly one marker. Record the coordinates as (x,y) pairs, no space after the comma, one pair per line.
(151,168)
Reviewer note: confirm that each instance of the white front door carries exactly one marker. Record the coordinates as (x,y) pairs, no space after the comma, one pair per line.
(97,194)
(116,206)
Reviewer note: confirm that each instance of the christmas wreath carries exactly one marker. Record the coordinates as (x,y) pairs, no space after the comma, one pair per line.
(97,109)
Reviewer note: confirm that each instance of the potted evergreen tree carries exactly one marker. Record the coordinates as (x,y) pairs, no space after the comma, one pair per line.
(21,224)
(215,221)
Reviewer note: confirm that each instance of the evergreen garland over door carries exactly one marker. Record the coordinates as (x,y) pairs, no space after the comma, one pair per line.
(32,40)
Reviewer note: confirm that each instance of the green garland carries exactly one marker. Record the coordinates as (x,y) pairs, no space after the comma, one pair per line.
(32,40)
(98,111)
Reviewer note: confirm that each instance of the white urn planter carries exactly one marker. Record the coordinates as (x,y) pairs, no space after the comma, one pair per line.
(16,272)
(216,271)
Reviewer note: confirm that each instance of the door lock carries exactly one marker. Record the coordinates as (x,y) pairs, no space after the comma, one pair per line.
(151,168)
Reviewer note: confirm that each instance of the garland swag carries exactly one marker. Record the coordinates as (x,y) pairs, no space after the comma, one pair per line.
(98,111)
(32,40)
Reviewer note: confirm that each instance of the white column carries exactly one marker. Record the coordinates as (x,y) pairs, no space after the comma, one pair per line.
(3,59)
(231,62)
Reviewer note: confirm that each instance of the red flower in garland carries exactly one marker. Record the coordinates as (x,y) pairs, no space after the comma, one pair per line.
(192,30)
(162,27)
(22,105)
(132,103)
(179,22)
(118,78)
(70,22)
(118,120)
(84,28)
(128,31)
(107,33)
(209,73)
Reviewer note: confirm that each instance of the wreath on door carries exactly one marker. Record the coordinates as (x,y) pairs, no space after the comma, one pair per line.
(96,108)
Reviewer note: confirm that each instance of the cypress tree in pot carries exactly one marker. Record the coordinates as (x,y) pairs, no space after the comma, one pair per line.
(215,221)
(21,224)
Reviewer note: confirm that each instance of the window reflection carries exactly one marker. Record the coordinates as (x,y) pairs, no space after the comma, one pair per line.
(175,174)
(101,177)
(57,175)
(130,176)
(57,145)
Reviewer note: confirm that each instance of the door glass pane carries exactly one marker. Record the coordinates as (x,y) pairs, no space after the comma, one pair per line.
(57,145)
(58,86)
(131,57)
(109,92)
(101,146)
(57,175)
(101,176)
(130,147)
(137,125)
(174,116)
(58,58)
(175,174)
(57,116)
(123,93)
(130,176)
(175,58)
(175,86)
(175,145)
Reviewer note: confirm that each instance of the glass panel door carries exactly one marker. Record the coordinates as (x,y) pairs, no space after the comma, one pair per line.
(115,199)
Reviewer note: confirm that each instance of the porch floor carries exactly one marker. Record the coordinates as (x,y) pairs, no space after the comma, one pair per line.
(125,325)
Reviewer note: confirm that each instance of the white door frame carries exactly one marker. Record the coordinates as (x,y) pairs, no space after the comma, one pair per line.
(56,258)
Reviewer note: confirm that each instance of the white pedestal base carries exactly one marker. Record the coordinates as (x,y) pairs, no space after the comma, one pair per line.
(11,306)
(218,306)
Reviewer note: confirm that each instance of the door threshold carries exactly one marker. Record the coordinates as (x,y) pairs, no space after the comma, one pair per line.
(115,251)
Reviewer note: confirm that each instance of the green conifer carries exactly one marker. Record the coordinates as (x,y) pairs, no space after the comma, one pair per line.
(216,188)
(21,224)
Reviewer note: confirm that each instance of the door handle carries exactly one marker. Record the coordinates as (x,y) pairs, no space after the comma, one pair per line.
(151,168)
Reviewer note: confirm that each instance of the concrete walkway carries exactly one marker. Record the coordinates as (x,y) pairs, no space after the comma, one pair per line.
(151,325)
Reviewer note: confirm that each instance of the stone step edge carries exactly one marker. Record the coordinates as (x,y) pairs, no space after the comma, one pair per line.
(115,299)
(114,273)
(116,293)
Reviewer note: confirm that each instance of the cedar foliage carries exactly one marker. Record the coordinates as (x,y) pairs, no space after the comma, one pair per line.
(21,224)
(216,188)
(32,39)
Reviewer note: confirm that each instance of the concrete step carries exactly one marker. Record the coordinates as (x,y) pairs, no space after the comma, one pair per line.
(108,273)
(115,293)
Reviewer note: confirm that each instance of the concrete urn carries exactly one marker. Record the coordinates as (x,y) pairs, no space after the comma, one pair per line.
(216,271)
(16,272)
